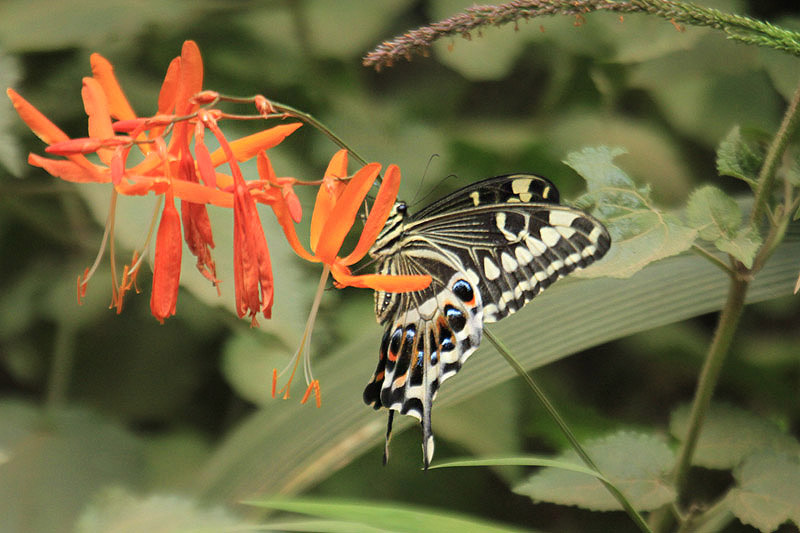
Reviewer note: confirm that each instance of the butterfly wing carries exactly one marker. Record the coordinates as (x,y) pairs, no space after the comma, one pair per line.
(490,248)
(424,344)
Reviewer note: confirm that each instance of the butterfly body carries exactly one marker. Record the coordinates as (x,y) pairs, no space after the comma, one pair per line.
(489,248)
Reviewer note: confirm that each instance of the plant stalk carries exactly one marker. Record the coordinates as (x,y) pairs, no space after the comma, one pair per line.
(559,420)
(766,176)
(709,376)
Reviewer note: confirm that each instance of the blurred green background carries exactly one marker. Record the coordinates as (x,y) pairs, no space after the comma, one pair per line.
(105,417)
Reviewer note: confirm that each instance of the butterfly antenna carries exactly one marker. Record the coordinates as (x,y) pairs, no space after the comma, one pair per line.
(416,199)
(388,438)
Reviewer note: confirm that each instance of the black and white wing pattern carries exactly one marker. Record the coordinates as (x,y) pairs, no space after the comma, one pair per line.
(490,248)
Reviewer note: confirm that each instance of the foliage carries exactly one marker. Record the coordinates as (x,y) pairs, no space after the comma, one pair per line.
(106,420)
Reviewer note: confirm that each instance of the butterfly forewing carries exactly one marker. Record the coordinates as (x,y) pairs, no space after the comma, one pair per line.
(490,248)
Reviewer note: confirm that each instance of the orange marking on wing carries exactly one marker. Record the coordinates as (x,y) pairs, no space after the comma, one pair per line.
(399,382)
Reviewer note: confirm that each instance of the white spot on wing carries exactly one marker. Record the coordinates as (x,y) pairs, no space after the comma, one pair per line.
(562,218)
(490,270)
(537,246)
(524,256)
(476,198)
(508,262)
(500,220)
(565,232)
(549,236)
(521,185)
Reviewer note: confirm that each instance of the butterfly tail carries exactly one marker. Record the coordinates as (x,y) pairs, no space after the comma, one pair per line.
(388,438)
(427,407)
(427,439)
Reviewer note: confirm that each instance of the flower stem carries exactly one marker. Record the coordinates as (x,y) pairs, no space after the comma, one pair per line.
(310,120)
(559,420)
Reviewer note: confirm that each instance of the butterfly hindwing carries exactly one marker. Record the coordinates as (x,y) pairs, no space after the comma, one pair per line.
(421,348)
(489,248)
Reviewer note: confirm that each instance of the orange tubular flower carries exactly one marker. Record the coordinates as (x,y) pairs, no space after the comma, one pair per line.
(334,214)
(167,263)
(170,169)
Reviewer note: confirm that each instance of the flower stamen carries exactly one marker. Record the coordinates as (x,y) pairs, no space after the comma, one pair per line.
(304,350)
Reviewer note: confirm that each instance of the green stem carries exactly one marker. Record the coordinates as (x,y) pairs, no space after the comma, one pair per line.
(310,120)
(716,261)
(766,176)
(709,376)
(555,415)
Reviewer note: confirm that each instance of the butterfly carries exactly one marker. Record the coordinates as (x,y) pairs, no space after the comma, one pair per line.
(489,247)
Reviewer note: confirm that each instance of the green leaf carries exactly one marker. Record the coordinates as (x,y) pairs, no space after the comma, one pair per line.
(635,463)
(713,213)
(741,154)
(640,232)
(569,466)
(119,511)
(717,217)
(768,491)
(729,434)
(744,246)
(60,459)
(387,517)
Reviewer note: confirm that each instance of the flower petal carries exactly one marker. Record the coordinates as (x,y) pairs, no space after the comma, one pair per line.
(96,106)
(191,77)
(103,72)
(201,194)
(328,194)
(379,282)
(387,196)
(344,213)
(167,263)
(284,219)
(168,95)
(247,147)
(36,121)
(203,158)
(69,170)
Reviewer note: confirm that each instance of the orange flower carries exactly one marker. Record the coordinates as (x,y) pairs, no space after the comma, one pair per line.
(252,267)
(168,167)
(334,214)
(167,263)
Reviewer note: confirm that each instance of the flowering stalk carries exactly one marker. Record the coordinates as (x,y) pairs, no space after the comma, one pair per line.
(736,27)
